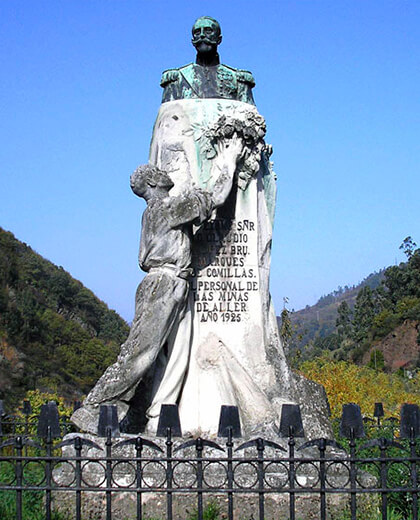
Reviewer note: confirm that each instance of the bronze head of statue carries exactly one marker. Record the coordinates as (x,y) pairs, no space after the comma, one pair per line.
(206,36)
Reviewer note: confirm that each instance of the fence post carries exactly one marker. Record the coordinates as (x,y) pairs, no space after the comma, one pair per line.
(414,481)
(19,477)
(261,497)
(229,426)
(384,473)
(353,497)
(291,425)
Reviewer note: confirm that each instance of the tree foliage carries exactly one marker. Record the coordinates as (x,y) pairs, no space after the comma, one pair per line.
(377,310)
(64,334)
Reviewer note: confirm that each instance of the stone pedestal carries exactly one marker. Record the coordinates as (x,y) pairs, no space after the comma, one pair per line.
(236,356)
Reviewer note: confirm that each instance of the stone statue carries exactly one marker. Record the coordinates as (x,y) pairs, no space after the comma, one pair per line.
(211,340)
(165,254)
(207,78)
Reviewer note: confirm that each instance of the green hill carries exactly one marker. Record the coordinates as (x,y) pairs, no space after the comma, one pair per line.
(316,322)
(376,322)
(55,334)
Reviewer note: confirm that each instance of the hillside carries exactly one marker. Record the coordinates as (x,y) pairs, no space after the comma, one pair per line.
(376,323)
(316,322)
(55,334)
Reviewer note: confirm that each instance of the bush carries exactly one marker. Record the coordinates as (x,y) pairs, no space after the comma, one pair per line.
(345,383)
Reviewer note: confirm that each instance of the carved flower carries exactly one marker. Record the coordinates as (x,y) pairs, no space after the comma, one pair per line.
(261,132)
(250,135)
(238,124)
(228,130)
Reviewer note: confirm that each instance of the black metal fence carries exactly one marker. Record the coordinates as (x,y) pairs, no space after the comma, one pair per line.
(257,479)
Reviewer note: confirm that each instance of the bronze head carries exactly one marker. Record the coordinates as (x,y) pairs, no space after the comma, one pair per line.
(206,36)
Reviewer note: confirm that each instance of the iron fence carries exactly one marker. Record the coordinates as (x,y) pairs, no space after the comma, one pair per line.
(122,477)
(78,468)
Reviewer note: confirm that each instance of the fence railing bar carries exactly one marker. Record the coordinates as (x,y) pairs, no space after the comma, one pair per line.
(353,482)
(108,473)
(261,495)
(19,478)
(139,476)
(199,452)
(229,447)
(169,474)
(78,450)
(292,498)
(48,475)
(414,474)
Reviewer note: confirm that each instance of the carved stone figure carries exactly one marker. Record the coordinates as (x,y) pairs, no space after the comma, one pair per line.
(165,254)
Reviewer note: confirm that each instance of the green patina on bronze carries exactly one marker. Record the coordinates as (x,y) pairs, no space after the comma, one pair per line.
(207,77)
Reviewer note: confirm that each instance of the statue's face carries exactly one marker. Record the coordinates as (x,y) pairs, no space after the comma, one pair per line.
(206,35)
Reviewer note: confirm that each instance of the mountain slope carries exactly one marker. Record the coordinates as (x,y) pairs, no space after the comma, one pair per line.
(54,333)
(375,323)
(318,321)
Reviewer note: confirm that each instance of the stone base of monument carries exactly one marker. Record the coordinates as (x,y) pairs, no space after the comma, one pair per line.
(245,507)
(127,467)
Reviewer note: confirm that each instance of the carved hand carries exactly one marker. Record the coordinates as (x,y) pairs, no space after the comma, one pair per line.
(230,151)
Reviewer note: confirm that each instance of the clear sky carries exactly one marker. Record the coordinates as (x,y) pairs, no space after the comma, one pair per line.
(337,81)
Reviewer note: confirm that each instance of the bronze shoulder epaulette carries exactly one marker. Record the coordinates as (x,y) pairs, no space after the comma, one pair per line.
(228,67)
(169,76)
(245,76)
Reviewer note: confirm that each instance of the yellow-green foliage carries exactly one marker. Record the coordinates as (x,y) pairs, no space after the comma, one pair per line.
(38,398)
(345,383)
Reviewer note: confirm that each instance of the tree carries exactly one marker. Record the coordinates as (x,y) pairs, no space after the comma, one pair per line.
(343,322)
(408,246)
(286,328)
(377,361)
(364,312)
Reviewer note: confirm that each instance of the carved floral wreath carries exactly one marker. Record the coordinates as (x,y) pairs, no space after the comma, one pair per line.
(251,128)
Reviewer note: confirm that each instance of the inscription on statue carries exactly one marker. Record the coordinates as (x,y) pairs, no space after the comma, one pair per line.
(225,273)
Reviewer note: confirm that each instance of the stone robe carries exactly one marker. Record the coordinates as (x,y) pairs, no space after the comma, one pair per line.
(165,253)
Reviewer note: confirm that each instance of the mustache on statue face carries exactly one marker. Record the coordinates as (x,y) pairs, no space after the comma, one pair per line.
(199,39)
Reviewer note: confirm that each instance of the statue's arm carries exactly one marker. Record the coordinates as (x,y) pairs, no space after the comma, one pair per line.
(229,153)
(169,76)
(194,206)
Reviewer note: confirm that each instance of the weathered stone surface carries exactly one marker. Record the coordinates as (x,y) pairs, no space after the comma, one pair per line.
(236,354)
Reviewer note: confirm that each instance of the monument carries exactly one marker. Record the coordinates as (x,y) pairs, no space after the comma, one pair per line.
(205,332)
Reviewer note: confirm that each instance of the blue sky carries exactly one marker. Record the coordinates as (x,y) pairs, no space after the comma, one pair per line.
(337,81)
